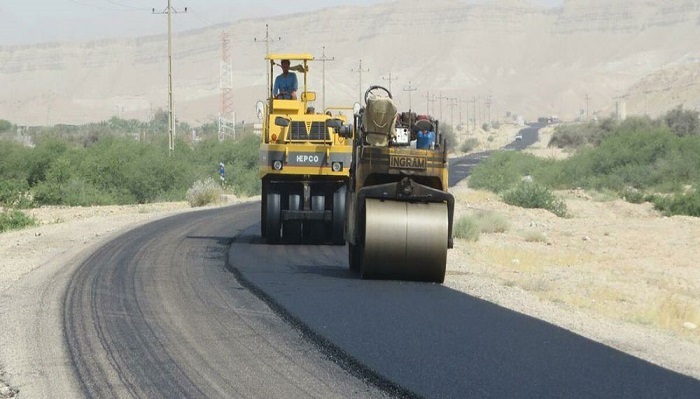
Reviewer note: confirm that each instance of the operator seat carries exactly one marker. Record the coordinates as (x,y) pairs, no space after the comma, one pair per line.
(379,121)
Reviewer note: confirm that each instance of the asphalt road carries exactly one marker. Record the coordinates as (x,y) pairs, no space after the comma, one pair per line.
(461,167)
(436,342)
(156,314)
(196,305)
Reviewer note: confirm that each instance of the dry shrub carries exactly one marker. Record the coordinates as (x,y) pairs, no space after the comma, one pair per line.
(204,192)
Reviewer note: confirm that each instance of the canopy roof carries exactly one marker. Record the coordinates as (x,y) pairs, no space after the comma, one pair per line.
(290,56)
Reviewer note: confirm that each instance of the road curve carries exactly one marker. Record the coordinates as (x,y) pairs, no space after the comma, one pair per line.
(155,314)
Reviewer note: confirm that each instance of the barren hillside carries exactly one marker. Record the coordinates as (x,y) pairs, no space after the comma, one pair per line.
(528,60)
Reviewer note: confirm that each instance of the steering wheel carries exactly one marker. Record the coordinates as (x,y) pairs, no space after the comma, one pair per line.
(373,88)
(425,124)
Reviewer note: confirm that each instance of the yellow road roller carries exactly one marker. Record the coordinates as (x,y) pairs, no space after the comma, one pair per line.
(304,164)
(399,217)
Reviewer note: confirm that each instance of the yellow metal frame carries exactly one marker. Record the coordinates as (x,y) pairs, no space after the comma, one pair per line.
(275,138)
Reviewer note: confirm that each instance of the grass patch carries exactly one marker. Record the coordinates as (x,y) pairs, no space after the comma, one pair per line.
(491,222)
(12,219)
(669,312)
(470,226)
(466,228)
(535,236)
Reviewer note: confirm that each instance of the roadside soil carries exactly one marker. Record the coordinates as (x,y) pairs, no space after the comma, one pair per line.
(618,273)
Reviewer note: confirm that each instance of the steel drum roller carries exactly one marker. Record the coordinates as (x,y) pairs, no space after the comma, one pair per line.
(405,240)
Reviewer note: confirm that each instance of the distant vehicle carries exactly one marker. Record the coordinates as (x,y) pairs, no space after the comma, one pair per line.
(519,137)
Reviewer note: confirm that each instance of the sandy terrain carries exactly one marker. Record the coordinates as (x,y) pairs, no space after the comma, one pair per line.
(616,272)
(516,57)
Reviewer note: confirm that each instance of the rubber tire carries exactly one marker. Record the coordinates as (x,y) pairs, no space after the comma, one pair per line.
(338,222)
(314,230)
(263,211)
(354,257)
(292,228)
(272,218)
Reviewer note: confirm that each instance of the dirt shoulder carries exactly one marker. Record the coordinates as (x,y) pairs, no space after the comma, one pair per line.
(616,272)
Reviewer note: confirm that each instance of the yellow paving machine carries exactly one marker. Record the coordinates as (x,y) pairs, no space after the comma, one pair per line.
(304,164)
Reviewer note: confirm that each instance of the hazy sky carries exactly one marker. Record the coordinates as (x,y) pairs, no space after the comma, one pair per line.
(40,21)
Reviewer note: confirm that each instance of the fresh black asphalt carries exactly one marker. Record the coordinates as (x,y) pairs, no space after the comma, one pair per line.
(439,343)
(436,342)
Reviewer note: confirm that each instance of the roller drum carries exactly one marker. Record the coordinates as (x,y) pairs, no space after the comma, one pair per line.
(405,241)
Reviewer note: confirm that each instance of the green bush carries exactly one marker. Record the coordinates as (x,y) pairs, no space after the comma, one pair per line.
(469,144)
(504,169)
(5,125)
(12,219)
(533,195)
(15,194)
(204,193)
(466,228)
(683,122)
(633,196)
(678,204)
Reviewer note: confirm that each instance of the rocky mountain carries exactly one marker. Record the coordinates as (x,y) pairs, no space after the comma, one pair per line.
(503,56)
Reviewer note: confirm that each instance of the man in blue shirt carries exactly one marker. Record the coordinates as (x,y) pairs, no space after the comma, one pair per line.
(425,139)
(285,84)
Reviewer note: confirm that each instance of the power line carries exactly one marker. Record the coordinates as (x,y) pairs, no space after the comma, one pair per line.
(409,89)
(125,7)
(428,100)
(440,98)
(359,71)
(267,40)
(171,114)
(129,6)
(324,59)
(390,79)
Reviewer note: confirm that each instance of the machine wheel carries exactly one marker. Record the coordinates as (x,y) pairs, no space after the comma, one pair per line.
(405,241)
(338,223)
(292,228)
(263,210)
(272,218)
(314,230)
(354,256)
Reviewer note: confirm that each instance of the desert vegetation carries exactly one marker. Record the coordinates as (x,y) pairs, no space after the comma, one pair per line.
(117,162)
(639,159)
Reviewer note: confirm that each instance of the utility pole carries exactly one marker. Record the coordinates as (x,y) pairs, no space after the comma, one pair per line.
(409,89)
(452,102)
(324,59)
(267,40)
(487,102)
(474,111)
(171,115)
(428,100)
(465,102)
(587,98)
(359,71)
(440,98)
(390,79)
